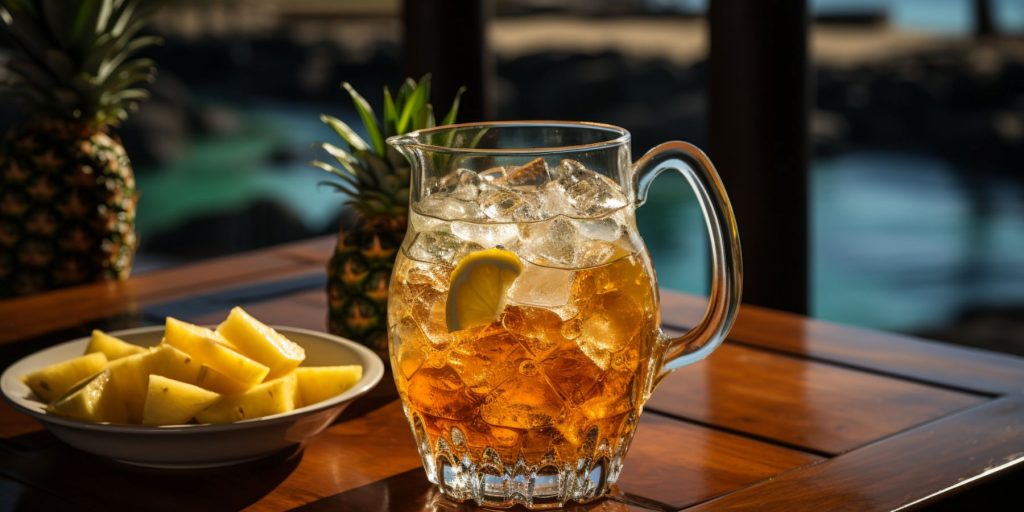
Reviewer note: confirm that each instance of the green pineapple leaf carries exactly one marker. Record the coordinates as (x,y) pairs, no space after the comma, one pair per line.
(417,100)
(348,179)
(345,132)
(352,165)
(372,173)
(449,118)
(83,55)
(390,114)
(368,117)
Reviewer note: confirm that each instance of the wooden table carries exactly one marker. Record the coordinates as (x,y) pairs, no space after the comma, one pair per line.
(790,414)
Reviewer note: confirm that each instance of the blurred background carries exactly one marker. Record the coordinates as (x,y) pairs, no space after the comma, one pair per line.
(916,133)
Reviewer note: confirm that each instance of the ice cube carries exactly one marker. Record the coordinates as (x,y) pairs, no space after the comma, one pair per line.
(538,329)
(597,252)
(607,229)
(485,358)
(524,402)
(408,342)
(441,393)
(572,373)
(440,246)
(429,314)
(542,286)
(554,242)
(554,200)
(533,173)
(493,176)
(449,208)
(590,194)
(425,222)
(486,235)
(462,184)
(611,323)
(569,167)
(507,205)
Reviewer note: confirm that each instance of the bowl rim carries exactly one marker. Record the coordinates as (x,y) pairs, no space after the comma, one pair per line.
(373,372)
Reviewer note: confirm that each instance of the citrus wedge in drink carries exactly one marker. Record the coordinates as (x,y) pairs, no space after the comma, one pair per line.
(478,287)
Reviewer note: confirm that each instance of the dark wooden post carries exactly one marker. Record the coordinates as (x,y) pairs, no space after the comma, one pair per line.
(759,103)
(984,26)
(448,38)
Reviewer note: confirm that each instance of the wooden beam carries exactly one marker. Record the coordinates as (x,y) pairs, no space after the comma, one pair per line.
(759,102)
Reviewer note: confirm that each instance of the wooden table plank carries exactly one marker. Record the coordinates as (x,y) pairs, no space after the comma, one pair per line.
(881,352)
(707,462)
(801,403)
(37,314)
(316,251)
(911,468)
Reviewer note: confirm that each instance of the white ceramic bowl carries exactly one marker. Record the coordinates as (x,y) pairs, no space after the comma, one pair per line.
(196,446)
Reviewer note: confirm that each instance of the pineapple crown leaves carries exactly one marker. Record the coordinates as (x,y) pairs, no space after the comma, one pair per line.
(373,174)
(75,58)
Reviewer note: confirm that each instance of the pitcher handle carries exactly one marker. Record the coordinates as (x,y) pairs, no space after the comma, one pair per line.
(726,260)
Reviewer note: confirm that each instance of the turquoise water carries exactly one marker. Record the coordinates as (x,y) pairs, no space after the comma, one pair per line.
(223,174)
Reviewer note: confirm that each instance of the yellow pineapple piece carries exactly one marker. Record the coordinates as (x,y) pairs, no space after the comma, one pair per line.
(271,397)
(113,348)
(261,343)
(318,383)
(215,381)
(207,347)
(54,380)
(89,400)
(130,377)
(172,402)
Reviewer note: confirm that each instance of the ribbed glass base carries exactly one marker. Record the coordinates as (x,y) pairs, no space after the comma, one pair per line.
(483,477)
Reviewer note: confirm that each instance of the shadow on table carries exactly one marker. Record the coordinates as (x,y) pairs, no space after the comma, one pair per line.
(42,461)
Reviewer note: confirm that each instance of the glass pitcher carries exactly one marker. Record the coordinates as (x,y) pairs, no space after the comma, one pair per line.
(523,309)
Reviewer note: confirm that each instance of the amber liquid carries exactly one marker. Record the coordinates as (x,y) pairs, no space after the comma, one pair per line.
(548,383)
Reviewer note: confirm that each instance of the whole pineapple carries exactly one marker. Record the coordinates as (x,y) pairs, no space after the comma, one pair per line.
(67,192)
(376,179)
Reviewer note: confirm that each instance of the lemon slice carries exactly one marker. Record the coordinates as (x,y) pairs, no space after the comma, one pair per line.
(478,286)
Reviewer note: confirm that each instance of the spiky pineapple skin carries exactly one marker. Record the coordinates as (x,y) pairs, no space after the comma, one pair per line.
(67,207)
(358,275)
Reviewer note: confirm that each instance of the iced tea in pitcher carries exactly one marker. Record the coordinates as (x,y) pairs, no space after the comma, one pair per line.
(523,323)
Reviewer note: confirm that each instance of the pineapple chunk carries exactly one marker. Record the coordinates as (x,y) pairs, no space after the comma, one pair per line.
(271,397)
(261,343)
(215,381)
(89,400)
(130,376)
(205,345)
(172,402)
(318,383)
(112,347)
(54,380)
